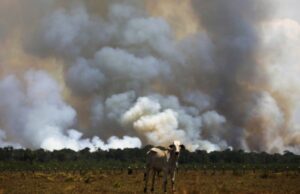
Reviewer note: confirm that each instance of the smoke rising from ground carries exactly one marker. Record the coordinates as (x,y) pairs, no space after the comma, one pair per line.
(116,74)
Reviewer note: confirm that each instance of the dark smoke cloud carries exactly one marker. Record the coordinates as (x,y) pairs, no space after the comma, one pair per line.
(232,27)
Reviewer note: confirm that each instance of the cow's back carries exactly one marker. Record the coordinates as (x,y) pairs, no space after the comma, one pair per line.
(156,159)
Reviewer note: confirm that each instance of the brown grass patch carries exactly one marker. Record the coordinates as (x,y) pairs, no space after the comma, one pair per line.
(189,182)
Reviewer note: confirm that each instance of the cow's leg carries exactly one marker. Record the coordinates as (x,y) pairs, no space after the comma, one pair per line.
(146,170)
(165,180)
(153,180)
(146,177)
(172,174)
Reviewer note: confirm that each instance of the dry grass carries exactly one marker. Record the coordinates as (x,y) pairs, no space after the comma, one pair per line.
(189,182)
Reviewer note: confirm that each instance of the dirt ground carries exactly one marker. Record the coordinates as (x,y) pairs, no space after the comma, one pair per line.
(117,181)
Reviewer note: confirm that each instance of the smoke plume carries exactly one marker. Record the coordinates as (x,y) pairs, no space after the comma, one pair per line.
(116,74)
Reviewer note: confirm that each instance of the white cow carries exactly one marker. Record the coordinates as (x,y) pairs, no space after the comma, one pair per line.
(163,160)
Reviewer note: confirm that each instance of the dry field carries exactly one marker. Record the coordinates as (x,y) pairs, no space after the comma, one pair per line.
(118,181)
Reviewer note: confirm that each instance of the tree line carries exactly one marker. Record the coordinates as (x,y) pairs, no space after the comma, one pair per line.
(11,158)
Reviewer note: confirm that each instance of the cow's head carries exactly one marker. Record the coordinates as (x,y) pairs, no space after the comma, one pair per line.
(176,147)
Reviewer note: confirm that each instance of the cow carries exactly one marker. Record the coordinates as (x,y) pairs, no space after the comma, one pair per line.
(163,160)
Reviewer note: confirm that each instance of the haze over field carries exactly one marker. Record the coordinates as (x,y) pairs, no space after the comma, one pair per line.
(126,73)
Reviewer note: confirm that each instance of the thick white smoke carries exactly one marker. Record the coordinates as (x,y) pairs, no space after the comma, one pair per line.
(36,114)
(127,77)
(161,119)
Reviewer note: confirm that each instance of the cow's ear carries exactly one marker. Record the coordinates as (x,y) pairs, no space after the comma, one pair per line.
(182,147)
(171,146)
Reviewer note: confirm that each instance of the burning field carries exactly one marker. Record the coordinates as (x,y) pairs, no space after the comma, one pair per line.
(90,75)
